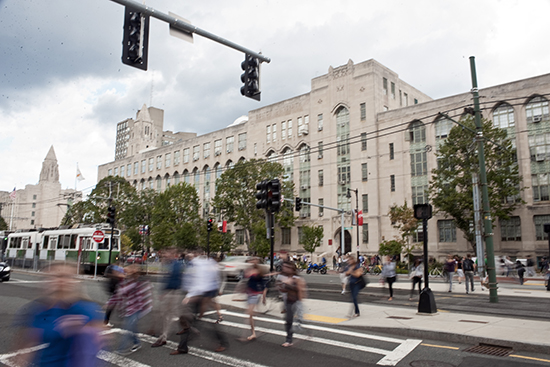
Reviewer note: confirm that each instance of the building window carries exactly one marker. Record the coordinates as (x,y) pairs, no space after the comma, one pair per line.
(274,133)
(406,98)
(110,172)
(239,236)
(419,163)
(415,101)
(540,183)
(510,230)
(365,232)
(363,141)
(116,171)
(176,157)
(539,147)
(196,152)
(420,194)
(129,170)
(321,177)
(321,209)
(32,222)
(537,110)
(283,130)
(176,178)
(268,134)
(540,221)
(167,181)
(365,199)
(392,90)
(34,205)
(186,155)
(385,86)
(417,132)
(122,171)
(285,236)
(242,141)
(151,164)
(159,162)
(299,126)
(217,147)
(418,235)
(392,183)
(32,214)
(300,234)
(364,172)
(503,116)
(34,197)
(206,149)
(320,150)
(167,159)
(443,127)
(447,231)
(363,111)
(159,183)
(143,166)
(229,143)
(289,128)
(392,152)
(320,122)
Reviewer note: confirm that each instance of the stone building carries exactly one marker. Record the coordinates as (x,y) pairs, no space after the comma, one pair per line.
(360,128)
(42,205)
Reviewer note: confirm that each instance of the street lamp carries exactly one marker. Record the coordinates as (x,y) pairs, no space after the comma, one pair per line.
(356,191)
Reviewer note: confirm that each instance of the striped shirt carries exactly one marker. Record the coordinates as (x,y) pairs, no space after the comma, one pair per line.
(133,295)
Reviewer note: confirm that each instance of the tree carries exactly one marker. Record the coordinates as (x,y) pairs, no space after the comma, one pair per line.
(390,248)
(3,224)
(451,188)
(236,197)
(175,217)
(312,237)
(137,212)
(402,219)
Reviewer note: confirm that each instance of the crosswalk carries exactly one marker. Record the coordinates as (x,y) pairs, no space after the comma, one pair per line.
(390,351)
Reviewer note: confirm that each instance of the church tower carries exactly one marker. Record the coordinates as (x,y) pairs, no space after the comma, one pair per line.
(50,168)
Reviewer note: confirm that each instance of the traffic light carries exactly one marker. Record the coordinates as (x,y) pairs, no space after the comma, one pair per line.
(209,225)
(261,195)
(136,38)
(422,211)
(111,214)
(251,77)
(298,204)
(274,193)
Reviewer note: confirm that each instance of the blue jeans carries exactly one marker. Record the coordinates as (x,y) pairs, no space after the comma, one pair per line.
(130,338)
(451,275)
(355,288)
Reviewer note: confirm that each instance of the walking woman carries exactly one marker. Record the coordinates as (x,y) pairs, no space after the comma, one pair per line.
(416,276)
(356,281)
(389,274)
(256,291)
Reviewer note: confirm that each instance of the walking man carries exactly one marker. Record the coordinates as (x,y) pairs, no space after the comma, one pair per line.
(468,266)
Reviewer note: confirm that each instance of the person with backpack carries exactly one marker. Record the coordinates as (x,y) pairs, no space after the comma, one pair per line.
(468,267)
(449,266)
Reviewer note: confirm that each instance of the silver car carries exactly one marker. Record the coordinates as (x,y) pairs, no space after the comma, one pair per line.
(234,266)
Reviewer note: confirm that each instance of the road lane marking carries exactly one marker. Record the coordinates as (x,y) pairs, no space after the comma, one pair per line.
(439,346)
(326,319)
(391,357)
(119,360)
(530,358)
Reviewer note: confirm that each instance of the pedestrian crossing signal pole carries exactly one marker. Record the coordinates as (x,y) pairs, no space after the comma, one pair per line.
(426,304)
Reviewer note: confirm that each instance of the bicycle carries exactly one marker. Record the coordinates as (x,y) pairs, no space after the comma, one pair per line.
(375,270)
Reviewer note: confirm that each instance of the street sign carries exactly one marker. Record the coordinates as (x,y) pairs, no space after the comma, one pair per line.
(348,228)
(98,236)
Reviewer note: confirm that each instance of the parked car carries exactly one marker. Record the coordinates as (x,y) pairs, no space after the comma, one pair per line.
(234,266)
(134,259)
(5,272)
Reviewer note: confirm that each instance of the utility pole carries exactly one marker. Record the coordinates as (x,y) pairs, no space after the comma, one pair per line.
(356,191)
(488,223)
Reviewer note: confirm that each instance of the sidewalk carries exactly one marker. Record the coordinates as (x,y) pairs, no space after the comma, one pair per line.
(520,334)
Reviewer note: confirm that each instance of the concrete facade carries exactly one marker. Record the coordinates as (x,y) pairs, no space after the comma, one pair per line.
(42,205)
(359,128)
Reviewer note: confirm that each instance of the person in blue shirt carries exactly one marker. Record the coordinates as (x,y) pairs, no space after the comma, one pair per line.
(64,320)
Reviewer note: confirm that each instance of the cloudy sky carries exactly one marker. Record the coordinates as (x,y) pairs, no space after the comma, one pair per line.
(62,82)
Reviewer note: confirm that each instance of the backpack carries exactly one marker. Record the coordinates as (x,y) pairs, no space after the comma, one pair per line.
(468,265)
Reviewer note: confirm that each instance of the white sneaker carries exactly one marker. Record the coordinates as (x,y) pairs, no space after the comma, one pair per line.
(136,347)
(343,292)
(109,325)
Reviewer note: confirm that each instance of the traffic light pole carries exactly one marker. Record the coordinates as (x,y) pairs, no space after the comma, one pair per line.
(186,27)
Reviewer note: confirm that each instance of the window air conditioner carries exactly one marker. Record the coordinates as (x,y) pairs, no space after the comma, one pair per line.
(303,215)
(537,118)
(319,156)
(304,187)
(321,214)
(217,153)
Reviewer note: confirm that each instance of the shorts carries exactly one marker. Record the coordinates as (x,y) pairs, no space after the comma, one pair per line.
(254,299)
(343,278)
(460,273)
(211,294)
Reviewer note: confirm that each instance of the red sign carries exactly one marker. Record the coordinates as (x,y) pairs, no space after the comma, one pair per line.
(98,236)
(330,242)
(360,218)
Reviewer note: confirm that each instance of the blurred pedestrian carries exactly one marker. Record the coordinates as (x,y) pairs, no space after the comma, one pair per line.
(389,274)
(449,267)
(115,275)
(289,286)
(459,270)
(417,271)
(170,298)
(133,300)
(256,291)
(469,267)
(521,271)
(66,322)
(343,268)
(530,271)
(356,282)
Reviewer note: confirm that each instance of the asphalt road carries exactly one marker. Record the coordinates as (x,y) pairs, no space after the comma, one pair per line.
(319,345)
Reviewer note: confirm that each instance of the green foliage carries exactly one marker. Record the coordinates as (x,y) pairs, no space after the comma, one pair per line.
(175,217)
(451,189)
(260,245)
(402,218)
(3,224)
(390,248)
(236,198)
(312,237)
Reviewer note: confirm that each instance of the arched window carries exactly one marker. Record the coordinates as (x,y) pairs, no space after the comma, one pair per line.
(159,183)
(167,181)
(288,164)
(503,116)
(417,132)
(443,127)
(272,156)
(186,177)
(537,110)
(196,178)
(176,178)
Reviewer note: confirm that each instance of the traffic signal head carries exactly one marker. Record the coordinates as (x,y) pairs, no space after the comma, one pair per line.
(251,77)
(274,195)
(422,211)
(111,214)
(209,224)
(298,204)
(261,195)
(136,38)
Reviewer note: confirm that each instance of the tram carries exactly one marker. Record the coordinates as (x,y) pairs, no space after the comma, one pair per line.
(39,246)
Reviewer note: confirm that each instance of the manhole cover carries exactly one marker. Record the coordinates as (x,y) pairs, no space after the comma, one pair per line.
(492,350)
(430,364)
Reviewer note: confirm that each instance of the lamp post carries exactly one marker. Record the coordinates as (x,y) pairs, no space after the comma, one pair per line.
(356,191)
(546,228)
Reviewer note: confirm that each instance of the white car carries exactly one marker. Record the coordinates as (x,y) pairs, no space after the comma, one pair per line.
(234,266)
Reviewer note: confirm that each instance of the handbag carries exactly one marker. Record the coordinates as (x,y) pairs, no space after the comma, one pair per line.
(361,282)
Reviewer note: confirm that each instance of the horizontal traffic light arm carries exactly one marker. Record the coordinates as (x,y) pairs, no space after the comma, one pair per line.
(183,26)
(317,205)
